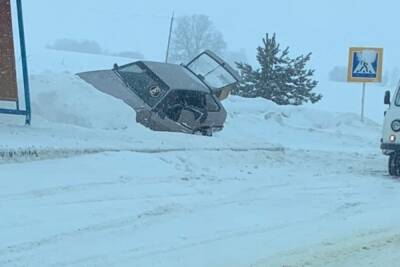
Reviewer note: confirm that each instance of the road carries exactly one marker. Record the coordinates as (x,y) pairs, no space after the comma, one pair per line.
(200,208)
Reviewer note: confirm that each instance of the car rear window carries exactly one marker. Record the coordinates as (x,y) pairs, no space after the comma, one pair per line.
(142,84)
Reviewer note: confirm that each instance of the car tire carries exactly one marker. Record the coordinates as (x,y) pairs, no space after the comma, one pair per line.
(204,132)
(394,164)
(208,132)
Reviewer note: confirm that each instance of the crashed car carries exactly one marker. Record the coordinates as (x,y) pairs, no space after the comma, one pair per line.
(169,97)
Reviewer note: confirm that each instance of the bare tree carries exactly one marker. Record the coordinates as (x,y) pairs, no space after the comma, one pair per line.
(192,35)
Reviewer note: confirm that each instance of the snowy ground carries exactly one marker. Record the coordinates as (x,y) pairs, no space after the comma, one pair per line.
(199,209)
(280,186)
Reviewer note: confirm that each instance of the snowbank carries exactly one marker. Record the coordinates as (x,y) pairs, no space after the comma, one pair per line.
(292,116)
(65,98)
(299,127)
(81,117)
(47,62)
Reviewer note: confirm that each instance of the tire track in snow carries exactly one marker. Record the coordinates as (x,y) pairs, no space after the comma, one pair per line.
(8,156)
(374,248)
(133,222)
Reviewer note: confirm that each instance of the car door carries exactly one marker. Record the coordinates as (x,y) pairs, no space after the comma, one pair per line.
(214,72)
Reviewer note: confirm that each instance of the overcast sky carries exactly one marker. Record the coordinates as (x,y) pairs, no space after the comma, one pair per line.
(325,27)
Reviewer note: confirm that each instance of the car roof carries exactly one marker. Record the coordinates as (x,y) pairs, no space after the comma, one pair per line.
(176,77)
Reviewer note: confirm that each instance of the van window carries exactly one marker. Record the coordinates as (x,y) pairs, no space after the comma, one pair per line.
(397,102)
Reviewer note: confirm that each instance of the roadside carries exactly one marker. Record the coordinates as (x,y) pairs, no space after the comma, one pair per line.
(374,249)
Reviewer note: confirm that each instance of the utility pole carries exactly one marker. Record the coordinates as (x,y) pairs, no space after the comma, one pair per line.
(169,37)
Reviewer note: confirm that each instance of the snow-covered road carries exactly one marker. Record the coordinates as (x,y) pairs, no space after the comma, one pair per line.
(279,186)
(202,208)
(372,248)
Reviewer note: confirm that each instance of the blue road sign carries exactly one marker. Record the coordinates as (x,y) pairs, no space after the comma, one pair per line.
(365,65)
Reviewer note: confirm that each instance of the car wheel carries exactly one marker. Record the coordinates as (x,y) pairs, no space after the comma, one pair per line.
(207,132)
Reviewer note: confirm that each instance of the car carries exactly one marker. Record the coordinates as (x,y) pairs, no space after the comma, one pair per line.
(168,97)
(390,142)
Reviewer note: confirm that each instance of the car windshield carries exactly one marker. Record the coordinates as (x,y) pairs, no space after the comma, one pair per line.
(142,84)
(212,72)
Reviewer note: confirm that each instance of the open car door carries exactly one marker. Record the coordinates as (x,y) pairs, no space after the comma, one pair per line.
(216,73)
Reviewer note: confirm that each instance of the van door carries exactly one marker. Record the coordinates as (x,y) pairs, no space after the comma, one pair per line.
(392,114)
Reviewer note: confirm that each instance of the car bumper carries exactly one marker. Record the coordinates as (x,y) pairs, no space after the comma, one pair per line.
(389,148)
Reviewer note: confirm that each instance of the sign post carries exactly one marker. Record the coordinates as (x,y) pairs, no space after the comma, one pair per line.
(363,102)
(365,66)
(8,77)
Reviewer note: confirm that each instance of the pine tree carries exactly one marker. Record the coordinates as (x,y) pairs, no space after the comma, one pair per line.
(283,80)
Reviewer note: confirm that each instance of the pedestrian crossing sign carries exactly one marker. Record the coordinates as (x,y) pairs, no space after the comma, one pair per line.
(365,65)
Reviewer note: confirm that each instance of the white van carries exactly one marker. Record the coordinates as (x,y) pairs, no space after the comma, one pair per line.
(390,142)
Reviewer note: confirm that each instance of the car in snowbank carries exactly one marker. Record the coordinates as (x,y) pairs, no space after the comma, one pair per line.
(169,97)
(390,142)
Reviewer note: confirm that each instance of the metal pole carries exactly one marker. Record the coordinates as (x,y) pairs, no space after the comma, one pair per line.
(169,37)
(24,62)
(363,103)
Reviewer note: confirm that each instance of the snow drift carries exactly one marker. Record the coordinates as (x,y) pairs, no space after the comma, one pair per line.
(64,98)
(68,113)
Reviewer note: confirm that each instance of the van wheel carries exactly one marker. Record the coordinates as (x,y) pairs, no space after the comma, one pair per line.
(394,164)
